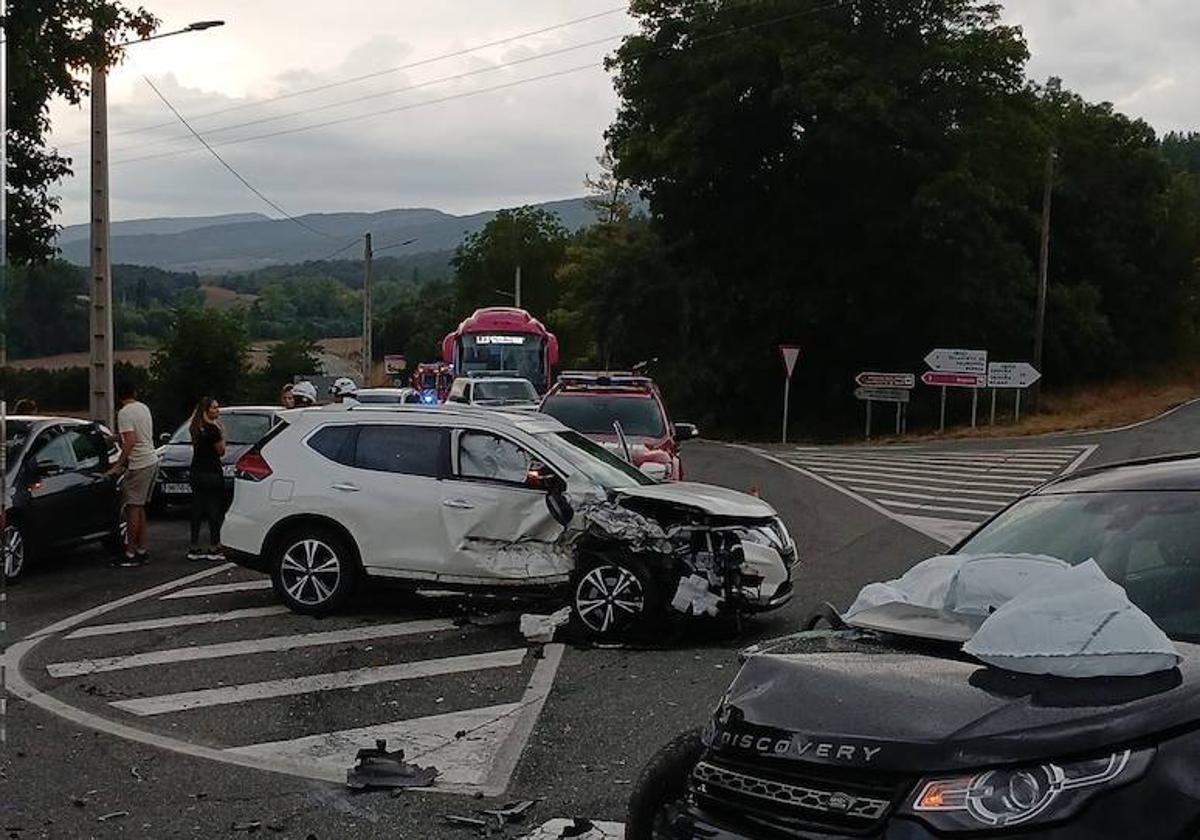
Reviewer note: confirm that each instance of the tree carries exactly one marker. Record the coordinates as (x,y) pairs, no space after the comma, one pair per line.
(49,43)
(206,353)
(415,324)
(486,262)
(46,310)
(610,198)
(292,357)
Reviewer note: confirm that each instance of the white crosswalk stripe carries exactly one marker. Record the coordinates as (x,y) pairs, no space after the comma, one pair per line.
(228,661)
(942,493)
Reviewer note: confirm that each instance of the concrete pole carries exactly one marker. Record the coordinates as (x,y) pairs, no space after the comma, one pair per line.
(787,393)
(1039,316)
(100,403)
(367,352)
(942,419)
(517,289)
(869,419)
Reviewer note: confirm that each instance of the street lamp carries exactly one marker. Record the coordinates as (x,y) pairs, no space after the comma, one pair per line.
(100,372)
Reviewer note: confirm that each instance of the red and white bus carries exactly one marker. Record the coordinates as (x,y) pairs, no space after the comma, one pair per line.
(503,339)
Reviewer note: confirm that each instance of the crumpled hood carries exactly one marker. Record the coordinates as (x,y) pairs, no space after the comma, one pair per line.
(832,699)
(715,501)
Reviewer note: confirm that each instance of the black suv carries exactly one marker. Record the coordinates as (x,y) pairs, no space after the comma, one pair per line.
(851,733)
(58,493)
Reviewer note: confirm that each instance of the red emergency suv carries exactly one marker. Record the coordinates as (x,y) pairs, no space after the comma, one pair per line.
(607,407)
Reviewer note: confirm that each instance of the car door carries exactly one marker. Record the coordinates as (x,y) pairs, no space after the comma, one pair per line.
(498,527)
(388,496)
(56,489)
(99,506)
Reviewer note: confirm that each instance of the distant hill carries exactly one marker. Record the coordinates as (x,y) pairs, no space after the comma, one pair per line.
(218,245)
(137,227)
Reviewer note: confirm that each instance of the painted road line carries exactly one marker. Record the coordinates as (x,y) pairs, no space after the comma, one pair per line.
(875,485)
(903,494)
(913,466)
(184,700)
(851,476)
(980,461)
(219,589)
(1083,456)
(982,514)
(918,474)
(247,646)
(601,830)
(176,621)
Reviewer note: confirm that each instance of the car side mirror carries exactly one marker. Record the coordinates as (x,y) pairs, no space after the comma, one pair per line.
(164,438)
(541,477)
(43,468)
(558,505)
(686,431)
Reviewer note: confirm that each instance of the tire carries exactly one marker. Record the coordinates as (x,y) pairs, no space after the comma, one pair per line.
(602,608)
(16,552)
(314,570)
(663,782)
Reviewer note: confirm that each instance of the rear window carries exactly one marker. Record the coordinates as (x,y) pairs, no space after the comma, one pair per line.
(594,414)
(240,428)
(411,450)
(336,443)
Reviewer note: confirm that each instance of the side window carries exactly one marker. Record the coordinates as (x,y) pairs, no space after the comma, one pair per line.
(486,456)
(412,450)
(53,448)
(88,448)
(336,443)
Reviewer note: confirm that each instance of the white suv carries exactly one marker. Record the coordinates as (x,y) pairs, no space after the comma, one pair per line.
(459,497)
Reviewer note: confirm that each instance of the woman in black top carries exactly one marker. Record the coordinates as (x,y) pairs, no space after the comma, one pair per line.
(208,482)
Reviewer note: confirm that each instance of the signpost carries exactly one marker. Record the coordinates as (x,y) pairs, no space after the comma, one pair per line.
(884,387)
(790,353)
(957,368)
(1015,375)
(394,365)
(875,379)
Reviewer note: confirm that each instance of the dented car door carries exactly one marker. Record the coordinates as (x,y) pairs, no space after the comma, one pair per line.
(499,527)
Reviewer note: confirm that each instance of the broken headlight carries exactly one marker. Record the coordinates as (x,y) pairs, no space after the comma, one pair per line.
(996,799)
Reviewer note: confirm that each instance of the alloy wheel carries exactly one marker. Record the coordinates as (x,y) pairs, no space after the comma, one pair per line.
(14,552)
(609,598)
(310,572)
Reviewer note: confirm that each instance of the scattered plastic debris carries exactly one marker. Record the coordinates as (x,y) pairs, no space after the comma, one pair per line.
(578,829)
(540,628)
(468,822)
(112,815)
(694,596)
(249,827)
(377,767)
(513,812)
(133,771)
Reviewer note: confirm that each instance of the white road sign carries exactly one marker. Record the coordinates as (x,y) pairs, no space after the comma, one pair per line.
(790,353)
(1012,375)
(958,361)
(897,395)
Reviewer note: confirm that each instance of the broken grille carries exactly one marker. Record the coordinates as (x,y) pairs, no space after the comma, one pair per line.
(826,801)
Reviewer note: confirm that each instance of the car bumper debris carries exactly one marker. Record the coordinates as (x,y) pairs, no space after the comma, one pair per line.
(377,767)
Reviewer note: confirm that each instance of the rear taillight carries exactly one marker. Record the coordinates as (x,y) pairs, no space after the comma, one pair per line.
(252,467)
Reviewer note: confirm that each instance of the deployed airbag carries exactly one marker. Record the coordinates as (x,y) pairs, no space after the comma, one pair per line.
(1075,624)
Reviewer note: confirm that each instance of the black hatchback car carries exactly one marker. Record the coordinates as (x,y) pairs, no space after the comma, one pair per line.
(851,733)
(58,493)
(244,426)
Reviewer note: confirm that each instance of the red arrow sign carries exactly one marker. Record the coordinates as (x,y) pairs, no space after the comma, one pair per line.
(953,380)
(875,379)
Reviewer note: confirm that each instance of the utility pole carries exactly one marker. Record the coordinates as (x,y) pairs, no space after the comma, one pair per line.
(100,377)
(366,351)
(1039,318)
(517,288)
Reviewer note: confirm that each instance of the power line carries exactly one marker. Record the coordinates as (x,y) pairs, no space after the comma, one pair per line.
(507,85)
(393,245)
(421,63)
(381,94)
(233,171)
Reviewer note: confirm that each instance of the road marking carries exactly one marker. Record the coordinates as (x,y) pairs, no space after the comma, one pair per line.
(337,680)
(1083,456)
(988,503)
(982,514)
(842,474)
(219,589)
(175,621)
(920,469)
(956,491)
(247,646)
(553,830)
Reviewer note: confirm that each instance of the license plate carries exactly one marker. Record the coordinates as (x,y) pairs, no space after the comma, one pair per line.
(177,489)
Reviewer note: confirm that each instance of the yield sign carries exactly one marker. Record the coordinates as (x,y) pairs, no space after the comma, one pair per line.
(790,354)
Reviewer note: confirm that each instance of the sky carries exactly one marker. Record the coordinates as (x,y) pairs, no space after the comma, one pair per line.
(495,140)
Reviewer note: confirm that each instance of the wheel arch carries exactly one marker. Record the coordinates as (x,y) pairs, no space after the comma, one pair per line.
(281,528)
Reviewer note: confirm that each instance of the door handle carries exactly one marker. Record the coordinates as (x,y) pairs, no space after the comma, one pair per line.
(346,487)
(458,504)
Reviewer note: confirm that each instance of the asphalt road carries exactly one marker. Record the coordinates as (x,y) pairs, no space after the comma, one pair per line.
(606,713)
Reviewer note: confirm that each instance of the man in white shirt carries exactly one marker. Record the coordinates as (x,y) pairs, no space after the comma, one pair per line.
(140,462)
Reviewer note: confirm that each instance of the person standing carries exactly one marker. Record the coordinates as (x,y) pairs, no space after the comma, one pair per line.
(208,481)
(140,463)
(285,397)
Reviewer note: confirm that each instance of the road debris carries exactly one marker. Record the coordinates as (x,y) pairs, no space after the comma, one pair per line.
(249,827)
(695,596)
(377,767)
(466,822)
(539,629)
(513,812)
(133,771)
(112,816)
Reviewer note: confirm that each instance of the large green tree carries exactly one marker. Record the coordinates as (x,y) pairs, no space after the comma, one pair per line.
(206,353)
(486,262)
(50,44)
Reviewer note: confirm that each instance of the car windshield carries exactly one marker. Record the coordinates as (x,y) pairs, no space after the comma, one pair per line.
(240,429)
(593,460)
(594,414)
(504,392)
(1146,541)
(16,433)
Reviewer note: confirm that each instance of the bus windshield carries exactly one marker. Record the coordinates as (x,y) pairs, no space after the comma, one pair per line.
(523,356)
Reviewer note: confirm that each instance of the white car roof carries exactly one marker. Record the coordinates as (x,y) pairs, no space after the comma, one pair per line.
(437,415)
(396,391)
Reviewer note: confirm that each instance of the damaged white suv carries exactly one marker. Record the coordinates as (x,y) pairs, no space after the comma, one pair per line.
(463,498)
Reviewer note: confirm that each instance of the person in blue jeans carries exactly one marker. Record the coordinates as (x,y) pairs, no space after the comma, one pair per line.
(208,482)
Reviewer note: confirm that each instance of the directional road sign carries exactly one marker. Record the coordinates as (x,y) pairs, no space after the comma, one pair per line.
(954,380)
(876,379)
(790,353)
(958,361)
(896,395)
(1012,375)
